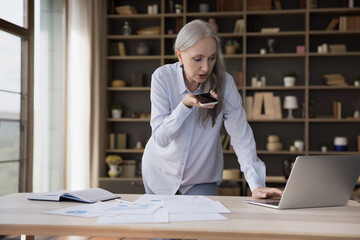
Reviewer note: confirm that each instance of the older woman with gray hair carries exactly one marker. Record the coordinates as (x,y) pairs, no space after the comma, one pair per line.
(184,154)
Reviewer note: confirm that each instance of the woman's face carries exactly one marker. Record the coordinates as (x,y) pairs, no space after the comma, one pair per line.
(199,60)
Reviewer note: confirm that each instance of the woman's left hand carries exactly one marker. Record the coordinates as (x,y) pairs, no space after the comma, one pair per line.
(265,192)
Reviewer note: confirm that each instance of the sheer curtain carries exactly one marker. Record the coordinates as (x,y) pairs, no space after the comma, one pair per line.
(68,70)
(84,64)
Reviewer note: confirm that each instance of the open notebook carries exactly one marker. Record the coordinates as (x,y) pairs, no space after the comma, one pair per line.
(317,181)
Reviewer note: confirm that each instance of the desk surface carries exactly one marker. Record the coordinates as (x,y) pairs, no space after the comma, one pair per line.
(21,216)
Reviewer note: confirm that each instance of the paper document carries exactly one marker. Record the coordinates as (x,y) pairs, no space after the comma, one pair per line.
(107,208)
(149,209)
(160,216)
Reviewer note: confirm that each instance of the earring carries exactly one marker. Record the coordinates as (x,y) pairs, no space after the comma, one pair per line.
(181,66)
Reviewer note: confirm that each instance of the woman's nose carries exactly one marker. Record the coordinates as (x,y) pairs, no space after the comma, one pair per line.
(205,66)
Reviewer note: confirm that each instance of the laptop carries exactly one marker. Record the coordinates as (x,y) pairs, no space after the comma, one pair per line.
(317,181)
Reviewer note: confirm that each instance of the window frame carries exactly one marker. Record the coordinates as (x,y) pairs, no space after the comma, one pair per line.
(26,34)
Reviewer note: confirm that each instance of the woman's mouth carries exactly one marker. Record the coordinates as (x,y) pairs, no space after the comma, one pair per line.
(202,76)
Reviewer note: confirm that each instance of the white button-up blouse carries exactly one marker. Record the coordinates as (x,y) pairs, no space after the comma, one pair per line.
(183,152)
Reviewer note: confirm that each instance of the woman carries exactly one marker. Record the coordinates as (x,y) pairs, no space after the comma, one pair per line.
(184,154)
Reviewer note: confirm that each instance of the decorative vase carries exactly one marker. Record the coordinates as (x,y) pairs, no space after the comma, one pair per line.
(340,144)
(356,114)
(142,49)
(213,24)
(114,170)
(299,144)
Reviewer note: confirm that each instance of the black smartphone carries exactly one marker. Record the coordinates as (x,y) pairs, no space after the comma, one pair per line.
(206,99)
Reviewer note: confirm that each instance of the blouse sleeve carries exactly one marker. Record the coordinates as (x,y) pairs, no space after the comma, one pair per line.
(242,138)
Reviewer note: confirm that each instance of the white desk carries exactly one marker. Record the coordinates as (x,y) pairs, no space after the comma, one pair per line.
(21,216)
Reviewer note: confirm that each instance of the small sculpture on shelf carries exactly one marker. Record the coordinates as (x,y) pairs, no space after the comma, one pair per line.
(356,105)
(114,162)
(274,143)
(271,44)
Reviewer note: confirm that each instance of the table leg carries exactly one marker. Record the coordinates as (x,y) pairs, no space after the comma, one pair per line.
(27,237)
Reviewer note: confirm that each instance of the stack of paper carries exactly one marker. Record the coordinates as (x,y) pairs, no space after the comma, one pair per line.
(150,208)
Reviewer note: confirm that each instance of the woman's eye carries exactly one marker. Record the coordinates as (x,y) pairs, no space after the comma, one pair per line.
(197,59)
(212,58)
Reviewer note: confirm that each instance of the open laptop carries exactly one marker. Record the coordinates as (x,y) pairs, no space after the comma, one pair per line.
(317,181)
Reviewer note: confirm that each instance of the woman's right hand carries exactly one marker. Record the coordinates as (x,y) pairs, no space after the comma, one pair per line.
(189,101)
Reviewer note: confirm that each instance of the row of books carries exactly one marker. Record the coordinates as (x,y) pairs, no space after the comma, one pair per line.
(344,23)
(349,23)
(117,140)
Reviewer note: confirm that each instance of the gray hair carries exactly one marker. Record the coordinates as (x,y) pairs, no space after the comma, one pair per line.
(188,36)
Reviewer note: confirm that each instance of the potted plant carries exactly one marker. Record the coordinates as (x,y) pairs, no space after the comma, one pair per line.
(289,79)
(178,8)
(357,82)
(116,110)
(231,46)
(324,146)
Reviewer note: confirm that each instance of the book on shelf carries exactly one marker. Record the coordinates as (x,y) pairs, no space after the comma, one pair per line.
(229,5)
(122,51)
(258,5)
(226,142)
(270,30)
(91,195)
(117,140)
(248,106)
(277,5)
(238,78)
(333,24)
(337,110)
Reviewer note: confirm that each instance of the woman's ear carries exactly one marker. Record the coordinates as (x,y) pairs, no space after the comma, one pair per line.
(178,54)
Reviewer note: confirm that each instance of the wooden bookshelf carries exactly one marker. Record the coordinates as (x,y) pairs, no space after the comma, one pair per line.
(305,27)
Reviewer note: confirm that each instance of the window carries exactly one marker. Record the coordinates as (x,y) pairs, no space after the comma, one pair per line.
(16,81)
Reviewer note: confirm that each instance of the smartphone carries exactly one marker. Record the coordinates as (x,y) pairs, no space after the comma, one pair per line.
(206,99)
